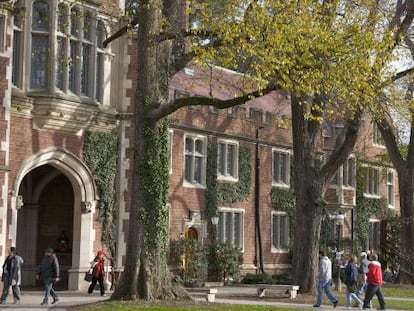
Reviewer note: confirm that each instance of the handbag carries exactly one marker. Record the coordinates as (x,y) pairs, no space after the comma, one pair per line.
(353,287)
(88,276)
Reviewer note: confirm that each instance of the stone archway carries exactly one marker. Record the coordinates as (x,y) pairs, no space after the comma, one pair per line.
(49,166)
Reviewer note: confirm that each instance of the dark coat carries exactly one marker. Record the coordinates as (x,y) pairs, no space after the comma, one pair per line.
(12,270)
(49,267)
(351,273)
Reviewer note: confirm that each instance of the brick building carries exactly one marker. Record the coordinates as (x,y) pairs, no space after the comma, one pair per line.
(58,82)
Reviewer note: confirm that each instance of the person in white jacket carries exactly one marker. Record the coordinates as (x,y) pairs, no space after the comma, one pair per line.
(325,280)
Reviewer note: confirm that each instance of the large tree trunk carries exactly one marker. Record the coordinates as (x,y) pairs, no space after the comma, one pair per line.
(146,273)
(310,179)
(406,188)
(308,190)
(405,170)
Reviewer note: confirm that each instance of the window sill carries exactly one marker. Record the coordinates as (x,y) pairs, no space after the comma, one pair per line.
(227,178)
(279,250)
(186,184)
(372,196)
(278,185)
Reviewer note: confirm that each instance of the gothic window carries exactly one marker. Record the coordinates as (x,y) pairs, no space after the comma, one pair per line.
(195,160)
(65,42)
(230,227)
(39,75)
(228,158)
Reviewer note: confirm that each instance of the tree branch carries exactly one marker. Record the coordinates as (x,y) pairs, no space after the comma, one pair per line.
(406,11)
(400,75)
(390,140)
(165,110)
(184,33)
(344,145)
(120,32)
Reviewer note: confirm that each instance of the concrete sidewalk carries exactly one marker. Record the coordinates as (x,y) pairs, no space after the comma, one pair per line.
(31,301)
(228,295)
(232,295)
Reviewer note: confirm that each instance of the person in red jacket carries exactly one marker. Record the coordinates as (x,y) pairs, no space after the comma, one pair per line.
(374,281)
(98,274)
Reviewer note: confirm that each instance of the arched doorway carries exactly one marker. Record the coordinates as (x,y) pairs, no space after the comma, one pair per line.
(53,203)
(191,235)
(45,220)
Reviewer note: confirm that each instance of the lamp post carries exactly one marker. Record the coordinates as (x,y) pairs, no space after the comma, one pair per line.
(213,274)
(340,217)
(214,222)
(257,201)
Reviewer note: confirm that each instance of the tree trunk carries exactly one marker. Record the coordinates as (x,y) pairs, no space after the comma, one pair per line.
(311,179)
(406,184)
(146,273)
(308,190)
(405,170)
(307,234)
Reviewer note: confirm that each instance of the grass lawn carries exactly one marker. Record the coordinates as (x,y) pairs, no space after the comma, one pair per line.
(174,306)
(389,291)
(196,306)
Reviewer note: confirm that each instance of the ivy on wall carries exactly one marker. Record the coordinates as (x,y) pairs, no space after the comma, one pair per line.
(219,193)
(239,191)
(365,208)
(100,155)
(211,182)
(285,200)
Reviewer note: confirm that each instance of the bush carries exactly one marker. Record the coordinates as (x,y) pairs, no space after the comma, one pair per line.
(193,255)
(262,278)
(284,278)
(224,262)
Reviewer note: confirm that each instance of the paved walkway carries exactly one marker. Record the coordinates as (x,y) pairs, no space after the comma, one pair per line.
(31,301)
(230,295)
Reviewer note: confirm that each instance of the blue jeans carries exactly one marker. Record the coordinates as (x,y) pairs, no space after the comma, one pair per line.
(49,289)
(6,285)
(350,296)
(325,285)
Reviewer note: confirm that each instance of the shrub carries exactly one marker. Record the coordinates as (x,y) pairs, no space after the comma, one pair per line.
(224,262)
(189,256)
(262,278)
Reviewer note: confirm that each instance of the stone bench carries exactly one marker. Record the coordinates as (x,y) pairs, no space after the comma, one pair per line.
(291,290)
(209,293)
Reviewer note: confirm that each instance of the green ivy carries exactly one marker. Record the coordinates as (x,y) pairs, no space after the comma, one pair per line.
(153,174)
(365,208)
(327,239)
(222,193)
(194,274)
(218,193)
(211,182)
(236,192)
(285,200)
(390,240)
(100,155)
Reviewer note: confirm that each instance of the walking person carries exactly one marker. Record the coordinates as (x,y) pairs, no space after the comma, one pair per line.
(98,273)
(48,271)
(12,275)
(351,282)
(362,277)
(374,283)
(325,280)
